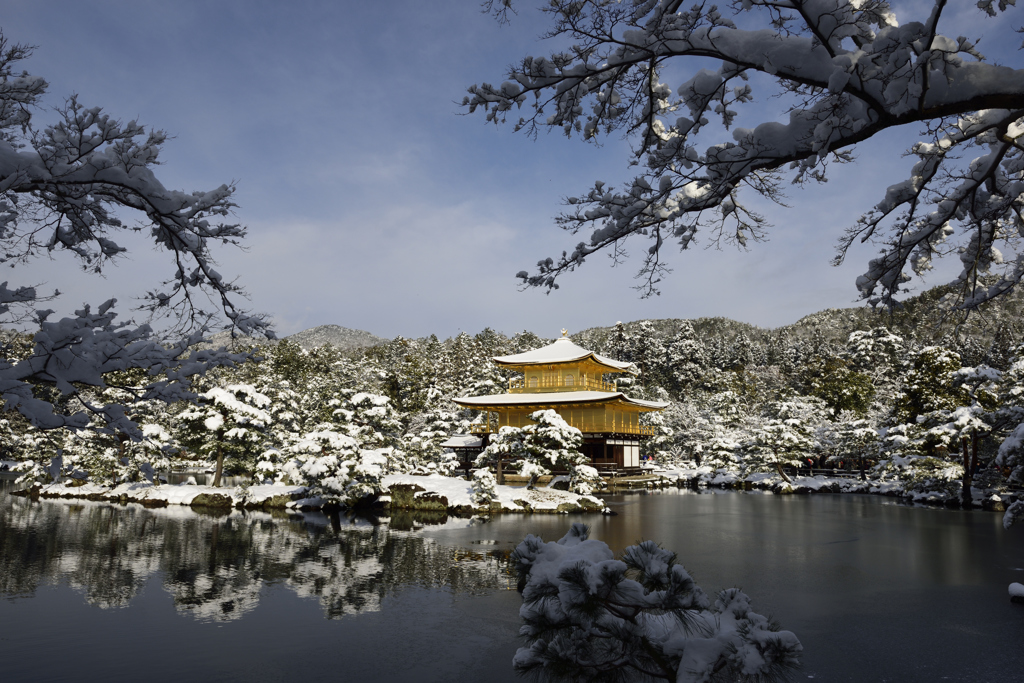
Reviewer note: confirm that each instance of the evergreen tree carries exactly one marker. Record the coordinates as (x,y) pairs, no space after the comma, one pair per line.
(838,385)
(786,438)
(929,386)
(227,422)
(686,360)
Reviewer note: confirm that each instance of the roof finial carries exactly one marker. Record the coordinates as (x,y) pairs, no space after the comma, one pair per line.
(565,332)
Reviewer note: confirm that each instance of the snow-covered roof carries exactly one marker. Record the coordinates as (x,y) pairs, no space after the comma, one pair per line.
(463,441)
(563,351)
(559,397)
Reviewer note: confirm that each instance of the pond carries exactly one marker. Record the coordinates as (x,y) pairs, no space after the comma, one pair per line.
(876,591)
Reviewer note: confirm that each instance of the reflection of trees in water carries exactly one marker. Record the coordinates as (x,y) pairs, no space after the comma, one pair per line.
(97,550)
(216,566)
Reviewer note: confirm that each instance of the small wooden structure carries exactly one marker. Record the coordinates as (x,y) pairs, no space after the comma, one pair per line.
(466,447)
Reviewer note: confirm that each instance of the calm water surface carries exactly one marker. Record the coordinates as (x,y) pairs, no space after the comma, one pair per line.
(875,591)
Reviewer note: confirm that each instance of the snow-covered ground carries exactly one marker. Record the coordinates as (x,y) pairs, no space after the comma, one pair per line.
(458,493)
(183,494)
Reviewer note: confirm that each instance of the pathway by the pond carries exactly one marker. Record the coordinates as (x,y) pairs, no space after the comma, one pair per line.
(875,591)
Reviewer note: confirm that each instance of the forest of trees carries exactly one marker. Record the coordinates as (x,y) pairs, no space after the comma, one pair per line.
(929,408)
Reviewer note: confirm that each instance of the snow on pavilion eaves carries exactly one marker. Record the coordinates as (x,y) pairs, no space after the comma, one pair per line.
(552,398)
(563,351)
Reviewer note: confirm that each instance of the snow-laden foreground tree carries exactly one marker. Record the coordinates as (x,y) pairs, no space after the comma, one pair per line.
(77,185)
(549,442)
(589,616)
(840,71)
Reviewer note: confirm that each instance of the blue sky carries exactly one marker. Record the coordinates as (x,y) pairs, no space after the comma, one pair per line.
(372,203)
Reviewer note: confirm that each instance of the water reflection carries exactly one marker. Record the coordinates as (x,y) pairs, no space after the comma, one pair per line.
(875,591)
(216,566)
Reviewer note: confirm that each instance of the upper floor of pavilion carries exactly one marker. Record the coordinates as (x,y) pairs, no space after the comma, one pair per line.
(562,367)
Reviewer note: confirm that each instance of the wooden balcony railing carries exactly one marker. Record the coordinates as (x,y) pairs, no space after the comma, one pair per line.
(544,386)
(588,427)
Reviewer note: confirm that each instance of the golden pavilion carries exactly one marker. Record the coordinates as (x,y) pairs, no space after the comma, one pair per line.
(570,380)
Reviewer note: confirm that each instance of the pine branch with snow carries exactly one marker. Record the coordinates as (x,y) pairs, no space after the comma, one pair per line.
(72,186)
(589,616)
(842,72)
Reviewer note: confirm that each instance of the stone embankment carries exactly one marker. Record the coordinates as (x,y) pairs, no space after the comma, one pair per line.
(399,492)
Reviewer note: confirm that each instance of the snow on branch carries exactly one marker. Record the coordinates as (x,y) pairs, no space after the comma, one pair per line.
(65,187)
(847,70)
(589,616)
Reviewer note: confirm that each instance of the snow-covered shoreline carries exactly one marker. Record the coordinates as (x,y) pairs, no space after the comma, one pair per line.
(770,481)
(432,492)
(400,491)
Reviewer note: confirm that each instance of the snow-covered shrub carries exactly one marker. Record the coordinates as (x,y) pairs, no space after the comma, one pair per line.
(484,487)
(422,455)
(334,467)
(1011,455)
(370,419)
(928,477)
(549,443)
(365,474)
(269,467)
(778,442)
(1013,514)
(42,456)
(721,453)
(588,616)
(504,447)
(584,479)
(532,469)
(39,471)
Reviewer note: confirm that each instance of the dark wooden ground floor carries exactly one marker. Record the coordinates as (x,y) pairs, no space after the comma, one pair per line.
(610,454)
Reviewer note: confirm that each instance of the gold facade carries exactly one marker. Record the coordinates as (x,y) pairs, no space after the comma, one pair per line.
(605,418)
(612,417)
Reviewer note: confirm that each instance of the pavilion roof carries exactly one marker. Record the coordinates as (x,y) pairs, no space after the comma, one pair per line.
(563,351)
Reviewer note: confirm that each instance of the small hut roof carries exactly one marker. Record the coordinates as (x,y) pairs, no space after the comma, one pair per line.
(463,441)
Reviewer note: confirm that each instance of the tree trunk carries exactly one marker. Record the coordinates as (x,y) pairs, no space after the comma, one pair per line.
(778,467)
(122,439)
(965,493)
(863,476)
(533,482)
(220,466)
(501,475)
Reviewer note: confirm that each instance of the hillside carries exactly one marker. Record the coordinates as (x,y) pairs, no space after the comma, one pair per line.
(343,338)
(926,317)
